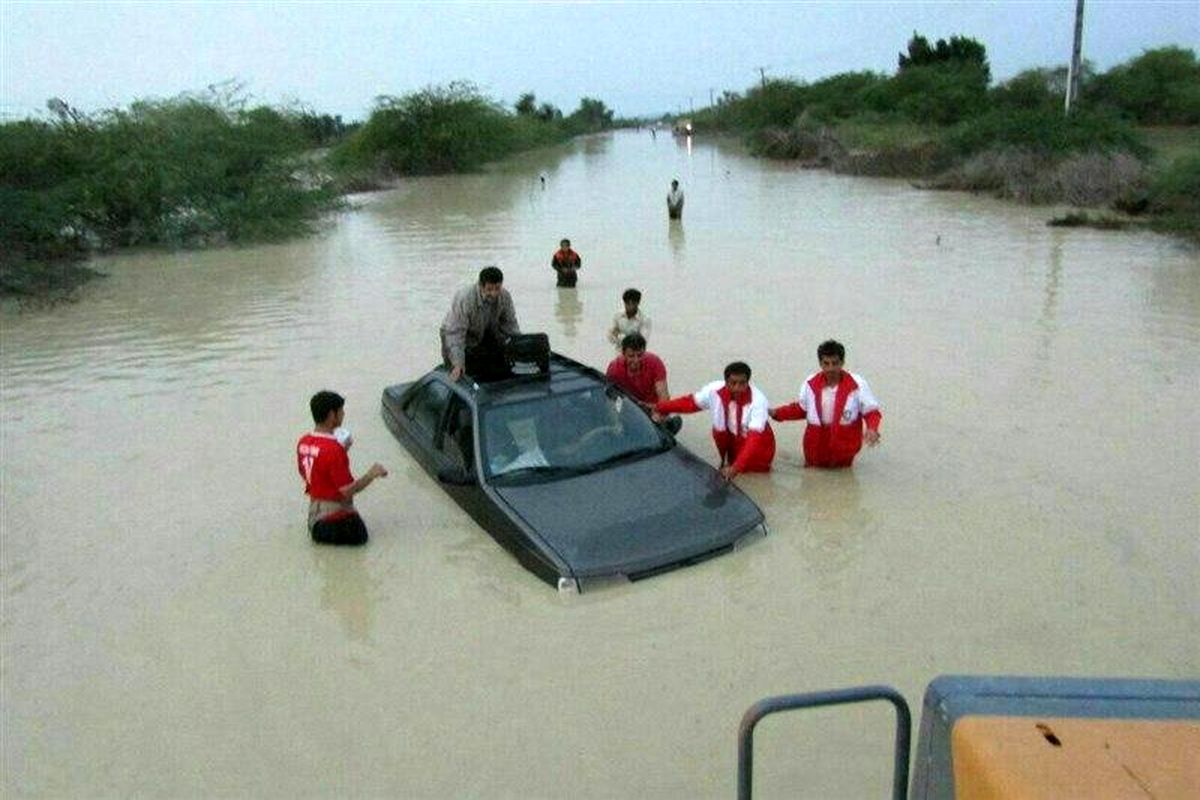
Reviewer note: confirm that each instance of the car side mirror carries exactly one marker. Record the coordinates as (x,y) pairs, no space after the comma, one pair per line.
(456,476)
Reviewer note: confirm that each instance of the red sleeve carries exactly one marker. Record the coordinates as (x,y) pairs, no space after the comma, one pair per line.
(612,371)
(746,454)
(790,411)
(873,418)
(677,405)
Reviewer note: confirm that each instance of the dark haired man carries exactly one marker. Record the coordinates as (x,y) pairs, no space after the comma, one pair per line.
(325,467)
(630,320)
(480,320)
(837,405)
(639,372)
(744,439)
(566,263)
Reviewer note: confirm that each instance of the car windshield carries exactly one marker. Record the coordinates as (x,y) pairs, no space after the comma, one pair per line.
(566,434)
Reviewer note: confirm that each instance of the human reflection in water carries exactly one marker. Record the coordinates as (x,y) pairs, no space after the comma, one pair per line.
(568,310)
(675,237)
(347,589)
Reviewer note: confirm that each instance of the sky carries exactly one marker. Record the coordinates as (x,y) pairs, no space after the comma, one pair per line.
(640,58)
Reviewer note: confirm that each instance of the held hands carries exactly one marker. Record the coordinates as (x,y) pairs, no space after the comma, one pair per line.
(377,471)
(871,437)
(729,472)
(773,413)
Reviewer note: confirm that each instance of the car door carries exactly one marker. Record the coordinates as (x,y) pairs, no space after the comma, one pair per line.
(425,410)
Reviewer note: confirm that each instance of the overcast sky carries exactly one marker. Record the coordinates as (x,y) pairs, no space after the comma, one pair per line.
(640,58)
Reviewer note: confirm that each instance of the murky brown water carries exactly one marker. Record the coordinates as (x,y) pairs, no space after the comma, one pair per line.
(168,630)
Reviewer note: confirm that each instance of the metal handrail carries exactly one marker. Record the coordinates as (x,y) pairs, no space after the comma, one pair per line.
(858,694)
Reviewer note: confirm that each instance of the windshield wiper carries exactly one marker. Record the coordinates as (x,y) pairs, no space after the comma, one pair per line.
(541,471)
(629,455)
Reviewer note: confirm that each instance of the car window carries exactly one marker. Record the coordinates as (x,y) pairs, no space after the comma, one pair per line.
(458,438)
(575,432)
(427,405)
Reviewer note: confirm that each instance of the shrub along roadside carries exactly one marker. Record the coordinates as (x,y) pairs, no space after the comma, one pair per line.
(187,171)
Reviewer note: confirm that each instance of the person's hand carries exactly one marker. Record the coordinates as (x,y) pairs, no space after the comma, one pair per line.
(377,471)
(654,415)
(773,413)
(456,373)
(729,473)
(871,437)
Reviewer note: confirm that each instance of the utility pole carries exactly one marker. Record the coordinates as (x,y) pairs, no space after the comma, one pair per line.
(762,71)
(1076,59)
(710,97)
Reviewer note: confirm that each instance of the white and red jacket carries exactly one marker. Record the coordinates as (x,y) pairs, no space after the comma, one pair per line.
(740,426)
(835,442)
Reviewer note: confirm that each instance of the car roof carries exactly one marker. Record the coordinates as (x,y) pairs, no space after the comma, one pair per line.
(565,375)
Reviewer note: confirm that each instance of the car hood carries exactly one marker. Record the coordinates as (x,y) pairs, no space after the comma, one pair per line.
(633,517)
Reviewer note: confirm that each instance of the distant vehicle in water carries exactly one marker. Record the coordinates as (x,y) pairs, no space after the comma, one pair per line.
(683,127)
(568,472)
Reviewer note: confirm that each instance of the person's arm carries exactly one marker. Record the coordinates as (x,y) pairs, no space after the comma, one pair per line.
(376,471)
(756,438)
(614,331)
(789,412)
(870,412)
(454,330)
(660,381)
(685,404)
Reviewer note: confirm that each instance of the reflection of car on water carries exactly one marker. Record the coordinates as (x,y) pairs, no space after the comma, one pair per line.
(568,473)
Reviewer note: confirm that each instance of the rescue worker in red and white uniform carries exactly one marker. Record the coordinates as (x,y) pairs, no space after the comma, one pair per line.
(740,428)
(838,405)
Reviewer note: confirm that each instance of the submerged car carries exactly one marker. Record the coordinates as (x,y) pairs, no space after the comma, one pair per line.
(569,473)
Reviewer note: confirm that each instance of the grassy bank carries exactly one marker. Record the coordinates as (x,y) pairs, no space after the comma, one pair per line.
(1130,145)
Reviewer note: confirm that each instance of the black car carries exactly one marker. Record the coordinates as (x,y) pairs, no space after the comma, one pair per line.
(569,473)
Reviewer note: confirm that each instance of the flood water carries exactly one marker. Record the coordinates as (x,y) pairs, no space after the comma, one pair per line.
(169,630)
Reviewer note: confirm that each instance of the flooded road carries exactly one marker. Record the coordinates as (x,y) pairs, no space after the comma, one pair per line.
(168,629)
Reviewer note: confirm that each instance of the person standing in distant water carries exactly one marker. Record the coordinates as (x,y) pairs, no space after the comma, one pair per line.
(740,429)
(675,201)
(566,263)
(324,464)
(480,320)
(639,372)
(631,320)
(837,405)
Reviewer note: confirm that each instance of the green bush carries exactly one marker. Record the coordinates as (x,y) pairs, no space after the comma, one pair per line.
(1159,87)
(1175,195)
(176,171)
(1047,132)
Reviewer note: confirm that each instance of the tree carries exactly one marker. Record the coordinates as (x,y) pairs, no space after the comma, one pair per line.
(959,51)
(526,105)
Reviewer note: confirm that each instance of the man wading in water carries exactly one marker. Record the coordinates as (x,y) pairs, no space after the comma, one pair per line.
(567,263)
(675,201)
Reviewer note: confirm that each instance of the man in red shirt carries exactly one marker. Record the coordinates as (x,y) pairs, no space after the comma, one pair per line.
(642,374)
(325,467)
(567,263)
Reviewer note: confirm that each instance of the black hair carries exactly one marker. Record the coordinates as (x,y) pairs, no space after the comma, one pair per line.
(633,341)
(565,241)
(631,295)
(323,403)
(829,347)
(490,275)
(738,368)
